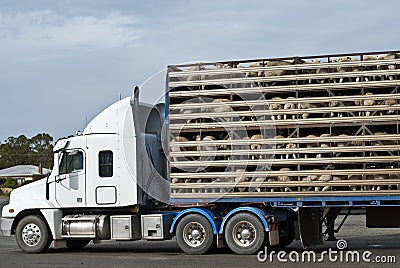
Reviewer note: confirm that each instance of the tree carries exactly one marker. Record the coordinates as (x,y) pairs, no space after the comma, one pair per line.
(37,150)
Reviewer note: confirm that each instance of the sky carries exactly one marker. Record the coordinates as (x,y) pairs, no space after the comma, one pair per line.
(64,61)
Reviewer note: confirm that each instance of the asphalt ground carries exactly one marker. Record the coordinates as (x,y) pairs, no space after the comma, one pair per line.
(383,244)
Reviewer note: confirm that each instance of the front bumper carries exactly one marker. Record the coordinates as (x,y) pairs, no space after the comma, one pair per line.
(5,226)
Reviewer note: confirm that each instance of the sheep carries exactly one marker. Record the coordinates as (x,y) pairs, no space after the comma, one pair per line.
(324,178)
(289,106)
(311,71)
(354,177)
(291,146)
(196,77)
(365,102)
(304,106)
(309,178)
(222,108)
(256,146)
(188,111)
(279,145)
(285,178)
(241,178)
(342,143)
(381,142)
(388,102)
(226,148)
(209,147)
(250,73)
(276,106)
(274,63)
(390,56)
(310,144)
(323,70)
(175,148)
(344,69)
(324,144)
(335,104)
(257,181)
(379,177)
(368,68)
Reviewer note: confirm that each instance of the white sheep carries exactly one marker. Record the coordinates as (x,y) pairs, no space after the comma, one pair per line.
(222,108)
(256,181)
(390,67)
(365,102)
(285,178)
(389,103)
(241,178)
(273,63)
(196,77)
(291,146)
(342,143)
(304,106)
(325,144)
(310,144)
(344,69)
(175,148)
(289,106)
(279,145)
(256,146)
(276,106)
(208,147)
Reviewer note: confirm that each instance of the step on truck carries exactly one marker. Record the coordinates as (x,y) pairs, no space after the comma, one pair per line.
(243,154)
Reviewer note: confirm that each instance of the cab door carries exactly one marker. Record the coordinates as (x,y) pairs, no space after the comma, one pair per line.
(70,183)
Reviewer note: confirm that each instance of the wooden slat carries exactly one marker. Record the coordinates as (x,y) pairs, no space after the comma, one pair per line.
(287,122)
(345,172)
(254,103)
(285,194)
(271,151)
(299,77)
(291,67)
(291,88)
(303,140)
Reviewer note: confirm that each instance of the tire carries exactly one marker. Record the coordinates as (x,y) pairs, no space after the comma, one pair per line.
(33,235)
(245,234)
(195,235)
(74,244)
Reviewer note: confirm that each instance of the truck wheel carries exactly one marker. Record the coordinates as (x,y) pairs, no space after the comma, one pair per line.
(77,243)
(195,235)
(244,234)
(33,235)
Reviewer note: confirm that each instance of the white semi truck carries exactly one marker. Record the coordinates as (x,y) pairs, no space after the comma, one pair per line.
(242,153)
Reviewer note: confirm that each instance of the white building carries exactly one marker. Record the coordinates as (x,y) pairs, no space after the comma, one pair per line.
(22,173)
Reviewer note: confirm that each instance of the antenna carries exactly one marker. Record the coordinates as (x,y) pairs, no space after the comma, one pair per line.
(120,96)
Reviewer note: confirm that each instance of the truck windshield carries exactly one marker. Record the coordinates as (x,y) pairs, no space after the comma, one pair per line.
(71,161)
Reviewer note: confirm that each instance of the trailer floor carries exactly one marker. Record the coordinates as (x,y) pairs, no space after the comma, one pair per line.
(383,242)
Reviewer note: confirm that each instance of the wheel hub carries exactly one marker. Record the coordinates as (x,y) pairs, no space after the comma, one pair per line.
(31,234)
(194,234)
(244,233)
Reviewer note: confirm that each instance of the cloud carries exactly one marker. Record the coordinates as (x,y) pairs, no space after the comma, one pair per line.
(47,29)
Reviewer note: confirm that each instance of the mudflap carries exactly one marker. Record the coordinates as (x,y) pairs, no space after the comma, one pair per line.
(310,226)
(273,234)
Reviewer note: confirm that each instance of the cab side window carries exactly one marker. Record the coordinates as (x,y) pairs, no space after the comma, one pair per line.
(71,161)
(105,164)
